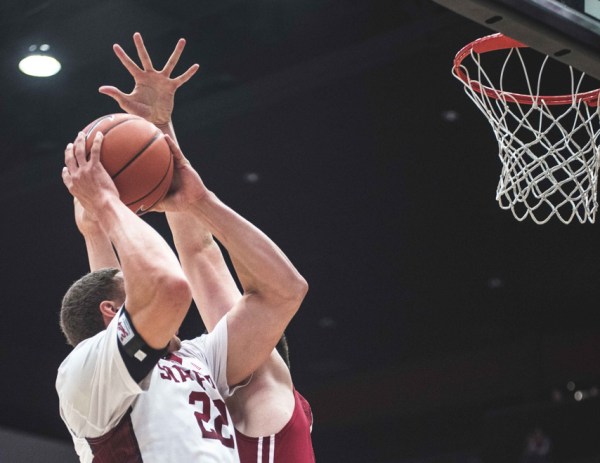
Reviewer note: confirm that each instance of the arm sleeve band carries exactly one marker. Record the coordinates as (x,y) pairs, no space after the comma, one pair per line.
(139,357)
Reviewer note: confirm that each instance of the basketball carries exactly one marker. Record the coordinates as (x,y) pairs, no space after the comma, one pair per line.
(136,156)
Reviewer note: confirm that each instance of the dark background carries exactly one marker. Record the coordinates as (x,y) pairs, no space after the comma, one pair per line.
(437,327)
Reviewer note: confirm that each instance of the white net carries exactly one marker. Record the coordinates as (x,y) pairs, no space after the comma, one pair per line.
(549,151)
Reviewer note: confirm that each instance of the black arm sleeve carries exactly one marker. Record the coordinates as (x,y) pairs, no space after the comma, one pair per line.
(138,356)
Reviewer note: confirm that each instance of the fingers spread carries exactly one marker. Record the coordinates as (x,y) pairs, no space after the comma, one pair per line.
(142,52)
(129,64)
(174,58)
(187,75)
(112,92)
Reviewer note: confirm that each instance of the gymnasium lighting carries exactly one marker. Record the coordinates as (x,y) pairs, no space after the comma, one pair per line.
(39,62)
(450,115)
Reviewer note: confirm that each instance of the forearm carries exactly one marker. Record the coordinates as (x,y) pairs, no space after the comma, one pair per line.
(213,287)
(190,233)
(100,251)
(146,259)
(273,288)
(261,266)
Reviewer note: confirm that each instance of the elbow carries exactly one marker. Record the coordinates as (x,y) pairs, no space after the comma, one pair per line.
(176,292)
(182,291)
(296,291)
(301,288)
(286,294)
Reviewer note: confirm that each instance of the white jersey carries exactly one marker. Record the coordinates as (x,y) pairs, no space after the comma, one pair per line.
(176,413)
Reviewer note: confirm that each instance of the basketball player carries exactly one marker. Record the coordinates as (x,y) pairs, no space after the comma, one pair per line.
(272,420)
(130,391)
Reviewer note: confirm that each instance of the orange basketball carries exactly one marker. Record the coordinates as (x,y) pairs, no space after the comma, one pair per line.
(136,156)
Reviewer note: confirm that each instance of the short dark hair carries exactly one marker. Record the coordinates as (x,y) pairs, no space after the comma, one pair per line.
(80,316)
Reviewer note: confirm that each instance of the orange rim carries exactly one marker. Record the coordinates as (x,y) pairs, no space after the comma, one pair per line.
(497,42)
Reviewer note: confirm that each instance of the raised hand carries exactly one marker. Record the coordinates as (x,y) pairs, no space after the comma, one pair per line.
(86,178)
(153,95)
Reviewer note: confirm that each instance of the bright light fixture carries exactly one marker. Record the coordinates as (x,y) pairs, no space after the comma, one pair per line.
(39,64)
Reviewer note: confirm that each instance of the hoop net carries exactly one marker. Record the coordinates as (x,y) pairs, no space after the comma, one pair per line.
(548,145)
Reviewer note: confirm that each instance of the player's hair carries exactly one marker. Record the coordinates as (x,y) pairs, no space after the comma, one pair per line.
(284,351)
(80,316)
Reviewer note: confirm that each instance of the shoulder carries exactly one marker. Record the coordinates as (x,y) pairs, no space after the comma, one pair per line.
(93,385)
(89,352)
(211,349)
(208,344)
(85,353)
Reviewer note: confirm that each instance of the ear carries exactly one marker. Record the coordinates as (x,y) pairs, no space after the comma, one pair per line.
(108,310)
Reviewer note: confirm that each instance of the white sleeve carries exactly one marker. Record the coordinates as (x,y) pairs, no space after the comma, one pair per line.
(212,348)
(94,387)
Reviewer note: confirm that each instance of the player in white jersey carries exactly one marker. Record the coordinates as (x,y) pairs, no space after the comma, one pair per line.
(130,391)
(114,418)
(270,416)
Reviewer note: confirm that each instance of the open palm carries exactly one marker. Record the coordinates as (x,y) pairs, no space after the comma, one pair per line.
(153,95)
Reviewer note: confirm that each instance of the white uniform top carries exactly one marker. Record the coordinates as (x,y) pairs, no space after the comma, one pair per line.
(176,413)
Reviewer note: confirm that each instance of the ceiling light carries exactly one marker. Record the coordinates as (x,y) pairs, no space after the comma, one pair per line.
(251,177)
(450,115)
(39,63)
(495,283)
(327,322)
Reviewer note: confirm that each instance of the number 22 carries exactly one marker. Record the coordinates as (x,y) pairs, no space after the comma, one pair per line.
(203,418)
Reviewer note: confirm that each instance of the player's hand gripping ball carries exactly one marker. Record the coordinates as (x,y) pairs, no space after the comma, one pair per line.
(136,156)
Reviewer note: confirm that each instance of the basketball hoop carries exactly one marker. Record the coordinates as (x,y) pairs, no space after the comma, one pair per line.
(548,144)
